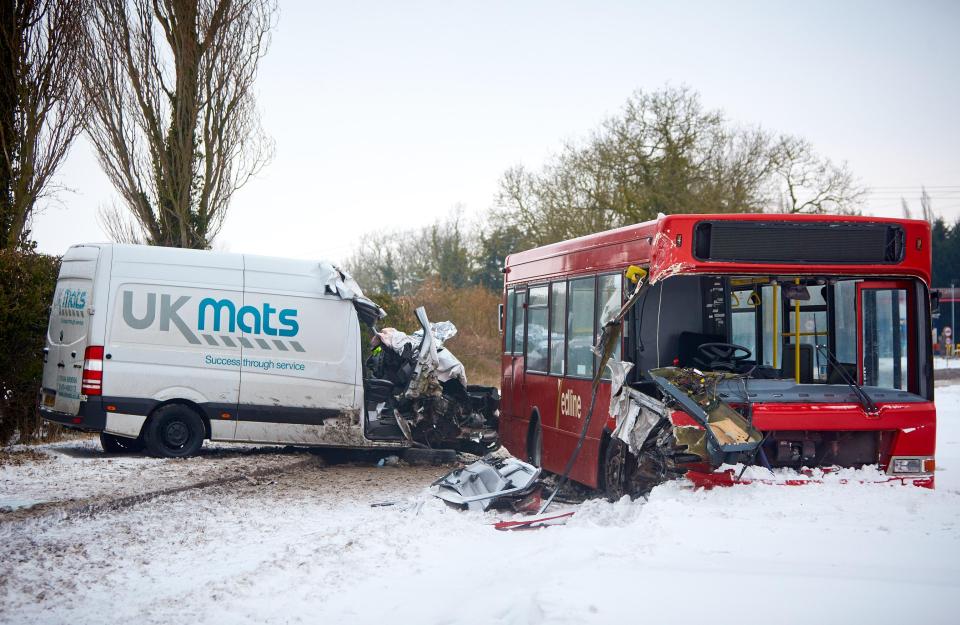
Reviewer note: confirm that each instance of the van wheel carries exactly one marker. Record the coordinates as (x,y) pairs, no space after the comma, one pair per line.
(174,431)
(120,444)
(535,444)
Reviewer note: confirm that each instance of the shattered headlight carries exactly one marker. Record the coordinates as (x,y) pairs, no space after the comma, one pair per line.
(912,465)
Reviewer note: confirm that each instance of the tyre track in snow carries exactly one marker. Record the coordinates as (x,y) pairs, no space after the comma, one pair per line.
(77,479)
(93,508)
(188,552)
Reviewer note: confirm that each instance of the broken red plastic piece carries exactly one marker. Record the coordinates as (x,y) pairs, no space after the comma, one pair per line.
(534,522)
(729,478)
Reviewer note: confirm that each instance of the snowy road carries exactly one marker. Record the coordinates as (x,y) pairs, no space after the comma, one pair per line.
(299,542)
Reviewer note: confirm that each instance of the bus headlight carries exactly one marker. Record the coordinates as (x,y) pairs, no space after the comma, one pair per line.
(901,465)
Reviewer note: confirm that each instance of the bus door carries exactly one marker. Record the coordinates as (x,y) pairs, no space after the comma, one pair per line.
(512,355)
(886,347)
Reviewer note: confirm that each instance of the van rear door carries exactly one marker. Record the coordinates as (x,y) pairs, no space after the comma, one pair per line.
(68,330)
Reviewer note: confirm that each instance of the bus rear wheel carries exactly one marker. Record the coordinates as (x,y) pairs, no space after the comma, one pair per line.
(174,431)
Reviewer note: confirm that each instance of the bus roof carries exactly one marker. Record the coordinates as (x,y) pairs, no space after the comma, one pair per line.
(740,244)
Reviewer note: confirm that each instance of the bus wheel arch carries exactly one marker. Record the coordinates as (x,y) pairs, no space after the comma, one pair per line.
(535,440)
(175,429)
(613,464)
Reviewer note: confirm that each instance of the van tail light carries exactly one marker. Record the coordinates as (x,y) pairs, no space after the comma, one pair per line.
(92,383)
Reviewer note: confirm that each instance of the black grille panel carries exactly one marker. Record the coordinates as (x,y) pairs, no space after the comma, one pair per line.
(798,242)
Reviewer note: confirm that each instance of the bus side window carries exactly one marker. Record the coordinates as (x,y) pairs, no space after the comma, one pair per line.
(508,324)
(536,347)
(519,308)
(845,314)
(609,302)
(580,327)
(743,307)
(558,319)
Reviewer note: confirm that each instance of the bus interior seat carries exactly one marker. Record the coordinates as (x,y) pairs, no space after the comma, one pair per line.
(806,362)
(690,342)
(836,373)
(765,372)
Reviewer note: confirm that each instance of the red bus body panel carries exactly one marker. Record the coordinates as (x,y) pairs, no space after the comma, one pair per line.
(665,246)
(633,245)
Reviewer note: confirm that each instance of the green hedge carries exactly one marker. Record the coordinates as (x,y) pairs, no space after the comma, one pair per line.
(27,283)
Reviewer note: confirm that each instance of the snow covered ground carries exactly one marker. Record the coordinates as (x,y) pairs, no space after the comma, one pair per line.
(942,362)
(303,544)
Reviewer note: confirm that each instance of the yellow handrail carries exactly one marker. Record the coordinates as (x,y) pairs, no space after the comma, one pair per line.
(776,315)
(796,336)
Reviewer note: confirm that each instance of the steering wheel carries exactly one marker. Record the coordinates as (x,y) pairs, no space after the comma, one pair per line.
(721,356)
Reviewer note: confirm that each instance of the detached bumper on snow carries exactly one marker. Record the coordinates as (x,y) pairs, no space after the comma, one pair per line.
(485,482)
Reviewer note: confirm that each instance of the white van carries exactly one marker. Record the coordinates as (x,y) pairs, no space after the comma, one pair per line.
(164,347)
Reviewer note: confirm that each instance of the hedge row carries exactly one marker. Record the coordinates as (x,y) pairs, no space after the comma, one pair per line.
(27,283)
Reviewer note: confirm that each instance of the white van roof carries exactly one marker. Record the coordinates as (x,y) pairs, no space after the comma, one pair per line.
(331,278)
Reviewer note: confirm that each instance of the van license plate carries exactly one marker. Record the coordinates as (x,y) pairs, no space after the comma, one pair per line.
(49,399)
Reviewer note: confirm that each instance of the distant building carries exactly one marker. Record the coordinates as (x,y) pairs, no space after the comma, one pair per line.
(949,310)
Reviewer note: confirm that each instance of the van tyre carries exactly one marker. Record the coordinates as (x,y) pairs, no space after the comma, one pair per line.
(120,444)
(174,431)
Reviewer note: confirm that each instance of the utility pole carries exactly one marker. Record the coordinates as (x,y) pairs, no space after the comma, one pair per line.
(953,308)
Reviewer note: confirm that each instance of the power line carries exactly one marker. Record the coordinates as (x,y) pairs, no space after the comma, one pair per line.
(917,186)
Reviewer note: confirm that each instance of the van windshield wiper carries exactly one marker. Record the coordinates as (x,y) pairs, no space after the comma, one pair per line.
(861,394)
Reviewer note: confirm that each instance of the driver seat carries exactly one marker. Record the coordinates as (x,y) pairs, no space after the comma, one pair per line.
(806,362)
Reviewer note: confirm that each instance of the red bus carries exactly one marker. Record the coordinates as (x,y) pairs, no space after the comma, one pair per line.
(810,311)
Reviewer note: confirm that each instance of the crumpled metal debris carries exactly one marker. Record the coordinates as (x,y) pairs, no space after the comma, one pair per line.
(447,366)
(485,482)
(422,386)
(338,282)
(442,332)
(425,382)
(727,435)
(636,414)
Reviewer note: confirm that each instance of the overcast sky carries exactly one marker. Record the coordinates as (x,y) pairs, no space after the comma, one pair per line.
(388,115)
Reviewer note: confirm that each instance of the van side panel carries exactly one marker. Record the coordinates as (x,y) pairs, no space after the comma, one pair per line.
(163,340)
(299,375)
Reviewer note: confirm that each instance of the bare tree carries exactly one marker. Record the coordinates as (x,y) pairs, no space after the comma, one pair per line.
(173,117)
(926,206)
(665,152)
(41,108)
(809,183)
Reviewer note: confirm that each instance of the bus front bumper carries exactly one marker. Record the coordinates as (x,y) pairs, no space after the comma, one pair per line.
(729,477)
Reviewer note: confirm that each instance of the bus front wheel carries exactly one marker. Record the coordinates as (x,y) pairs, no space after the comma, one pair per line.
(618,463)
(535,443)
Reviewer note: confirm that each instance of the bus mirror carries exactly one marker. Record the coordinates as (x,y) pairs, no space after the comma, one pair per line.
(500,318)
(635,274)
(796,291)
(935,303)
